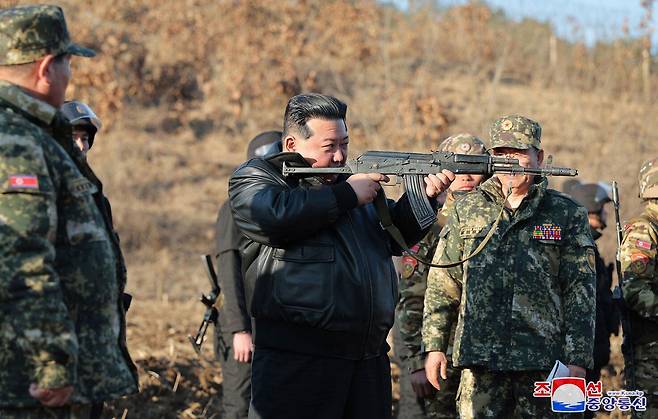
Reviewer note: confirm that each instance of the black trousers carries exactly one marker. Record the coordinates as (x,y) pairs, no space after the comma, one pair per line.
(290,385)
(236,378)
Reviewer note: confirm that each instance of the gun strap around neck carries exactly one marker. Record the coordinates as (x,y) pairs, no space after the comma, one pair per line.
(387,223)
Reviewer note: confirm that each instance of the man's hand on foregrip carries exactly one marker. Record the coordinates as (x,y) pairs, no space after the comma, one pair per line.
(435,184)
(434,363)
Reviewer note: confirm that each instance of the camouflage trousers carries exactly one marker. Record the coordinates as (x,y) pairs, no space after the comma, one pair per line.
(646,377)
(494,394)
(441,405)
(81,411)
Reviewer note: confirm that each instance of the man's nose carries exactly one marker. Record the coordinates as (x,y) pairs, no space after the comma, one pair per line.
(339,155)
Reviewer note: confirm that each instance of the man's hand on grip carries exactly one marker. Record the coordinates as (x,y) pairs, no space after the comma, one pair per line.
(366,185)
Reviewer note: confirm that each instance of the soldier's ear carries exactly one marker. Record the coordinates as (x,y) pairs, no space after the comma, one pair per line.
(45,70)
(540,157)
(289,144)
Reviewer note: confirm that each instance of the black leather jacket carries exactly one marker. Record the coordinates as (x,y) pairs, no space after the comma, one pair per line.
(317,268)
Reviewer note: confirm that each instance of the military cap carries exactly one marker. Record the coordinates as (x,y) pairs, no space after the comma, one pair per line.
(515,131)
(592,196)
(28,33)
(648,179)
(463,144)
(262,144)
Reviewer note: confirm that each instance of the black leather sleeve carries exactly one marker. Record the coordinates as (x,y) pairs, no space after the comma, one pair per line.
(269,211)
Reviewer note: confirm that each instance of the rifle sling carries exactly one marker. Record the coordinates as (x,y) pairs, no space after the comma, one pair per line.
(387,223)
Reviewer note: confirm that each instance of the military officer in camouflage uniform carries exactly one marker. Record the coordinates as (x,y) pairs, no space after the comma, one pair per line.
(413,282)
(60,298)
(526,299)
(639,262)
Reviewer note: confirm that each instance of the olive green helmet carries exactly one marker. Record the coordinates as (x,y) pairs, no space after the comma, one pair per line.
(648,179)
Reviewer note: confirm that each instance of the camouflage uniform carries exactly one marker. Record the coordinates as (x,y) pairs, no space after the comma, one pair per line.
(60,297)
(638,265)
(526,300)
(413,282)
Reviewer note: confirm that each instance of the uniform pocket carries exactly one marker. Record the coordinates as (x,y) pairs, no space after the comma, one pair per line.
(546,255)
(472,236)
(304,276)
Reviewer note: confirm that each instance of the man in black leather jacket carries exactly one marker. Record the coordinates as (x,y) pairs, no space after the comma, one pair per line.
(317,265)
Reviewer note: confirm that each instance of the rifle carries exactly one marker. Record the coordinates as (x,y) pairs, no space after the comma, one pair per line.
(211,315)
(618,296)
(413,167)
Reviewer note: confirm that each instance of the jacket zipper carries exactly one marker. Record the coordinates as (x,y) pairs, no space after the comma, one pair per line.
(367,275)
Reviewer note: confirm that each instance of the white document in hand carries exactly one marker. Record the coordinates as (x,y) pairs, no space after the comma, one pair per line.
(559,370)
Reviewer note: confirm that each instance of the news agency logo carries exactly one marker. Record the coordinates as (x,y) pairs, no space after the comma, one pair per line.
(574,395)
(568,395)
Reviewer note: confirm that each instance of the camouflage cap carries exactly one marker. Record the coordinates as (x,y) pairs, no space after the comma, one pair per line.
(463,144)
(592,196)
(648,179)
(28,33)
(515,131)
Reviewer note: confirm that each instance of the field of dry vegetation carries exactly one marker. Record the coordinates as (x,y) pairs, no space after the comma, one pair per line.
(182,85)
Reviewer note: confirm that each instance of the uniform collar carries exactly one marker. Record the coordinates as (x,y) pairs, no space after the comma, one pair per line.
(493,188)
(33,108)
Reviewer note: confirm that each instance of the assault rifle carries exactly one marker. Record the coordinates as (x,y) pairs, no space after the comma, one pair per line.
(211,315)
(413,167)
(618,296)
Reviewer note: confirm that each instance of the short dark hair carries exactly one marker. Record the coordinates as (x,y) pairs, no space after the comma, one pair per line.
(306,106)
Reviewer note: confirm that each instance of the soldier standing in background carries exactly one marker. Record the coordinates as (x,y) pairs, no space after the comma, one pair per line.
(85,127)
(508,300)
(414,387)
(60,299)
(233,334)
(638,266)
(593,197)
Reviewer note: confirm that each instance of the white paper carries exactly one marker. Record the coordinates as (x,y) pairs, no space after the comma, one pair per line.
(559,370)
